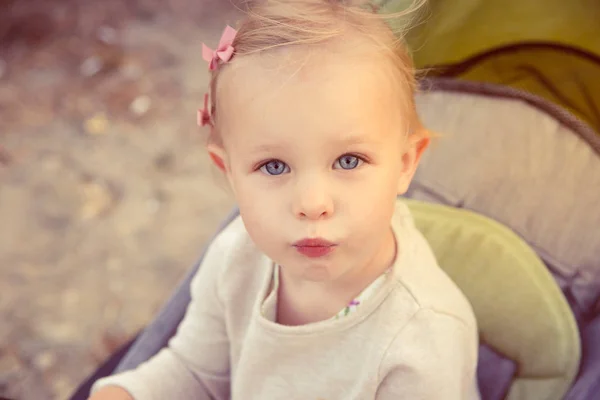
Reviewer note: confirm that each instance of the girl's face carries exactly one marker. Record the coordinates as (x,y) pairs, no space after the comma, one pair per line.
(319,152)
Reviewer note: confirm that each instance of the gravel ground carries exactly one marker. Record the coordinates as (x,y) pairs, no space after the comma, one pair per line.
(106,194)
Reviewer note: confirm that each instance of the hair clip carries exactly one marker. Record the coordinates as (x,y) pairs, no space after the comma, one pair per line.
(203,114)
(224,51)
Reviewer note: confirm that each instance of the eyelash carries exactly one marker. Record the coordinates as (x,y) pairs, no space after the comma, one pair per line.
(361,159)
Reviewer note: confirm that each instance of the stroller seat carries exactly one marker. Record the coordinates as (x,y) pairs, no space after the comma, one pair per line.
(521,312)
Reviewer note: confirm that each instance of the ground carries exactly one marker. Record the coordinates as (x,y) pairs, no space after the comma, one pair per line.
(106,194)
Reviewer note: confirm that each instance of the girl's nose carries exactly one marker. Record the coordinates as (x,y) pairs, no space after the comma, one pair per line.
(313,201)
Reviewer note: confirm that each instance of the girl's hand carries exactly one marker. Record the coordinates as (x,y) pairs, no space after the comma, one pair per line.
(111,393)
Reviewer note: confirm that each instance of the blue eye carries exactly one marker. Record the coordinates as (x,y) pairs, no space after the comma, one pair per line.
(274,167)
(347,161)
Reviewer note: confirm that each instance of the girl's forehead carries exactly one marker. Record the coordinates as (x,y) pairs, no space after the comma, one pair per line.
(318,89)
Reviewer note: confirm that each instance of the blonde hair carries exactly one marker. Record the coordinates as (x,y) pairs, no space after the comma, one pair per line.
(276,24)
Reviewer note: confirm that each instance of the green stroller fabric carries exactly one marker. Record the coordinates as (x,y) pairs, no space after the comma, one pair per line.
(520,309)
(550,48)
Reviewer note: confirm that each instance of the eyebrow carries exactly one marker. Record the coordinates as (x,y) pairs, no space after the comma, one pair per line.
(355,139)
(345,141)
(267,148)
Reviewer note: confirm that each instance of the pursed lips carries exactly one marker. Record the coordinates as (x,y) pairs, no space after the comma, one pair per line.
(314,247)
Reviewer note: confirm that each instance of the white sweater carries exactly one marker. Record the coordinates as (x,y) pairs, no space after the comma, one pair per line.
(415,338)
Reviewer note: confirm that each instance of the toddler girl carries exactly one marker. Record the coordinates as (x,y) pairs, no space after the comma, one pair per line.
(323,288)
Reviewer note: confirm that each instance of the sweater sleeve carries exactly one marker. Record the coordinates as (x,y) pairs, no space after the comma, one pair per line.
(195,364)
(433,357)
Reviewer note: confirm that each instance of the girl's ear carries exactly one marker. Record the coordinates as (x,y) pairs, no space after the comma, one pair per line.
(417,144)
(218,156)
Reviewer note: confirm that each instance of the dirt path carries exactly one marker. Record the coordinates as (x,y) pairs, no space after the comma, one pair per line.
(106,194)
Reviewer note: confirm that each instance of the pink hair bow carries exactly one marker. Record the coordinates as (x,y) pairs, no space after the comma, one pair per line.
(224,52)
(204,114)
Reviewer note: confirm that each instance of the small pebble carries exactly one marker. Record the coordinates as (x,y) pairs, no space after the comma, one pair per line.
(97,125)
(45,360)
(97,199)
(107,34)
(140,105)
(91,66)
(164,161)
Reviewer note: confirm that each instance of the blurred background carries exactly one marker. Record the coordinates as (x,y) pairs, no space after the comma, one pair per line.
(106,194)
